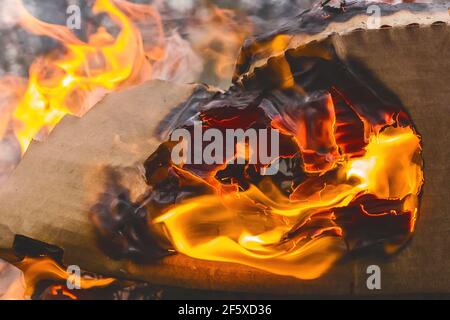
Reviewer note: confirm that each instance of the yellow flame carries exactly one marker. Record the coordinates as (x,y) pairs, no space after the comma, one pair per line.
(70,82)
(231,228)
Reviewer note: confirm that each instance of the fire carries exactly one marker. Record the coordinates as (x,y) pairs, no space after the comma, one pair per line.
(256,235)
(352,178)
(37,269)
(59,289)
(72,80)
(349,187)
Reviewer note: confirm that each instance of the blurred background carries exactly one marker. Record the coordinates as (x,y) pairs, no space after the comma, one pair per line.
(192,20)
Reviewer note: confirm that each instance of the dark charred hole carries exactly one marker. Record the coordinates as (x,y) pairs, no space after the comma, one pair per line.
(327,111)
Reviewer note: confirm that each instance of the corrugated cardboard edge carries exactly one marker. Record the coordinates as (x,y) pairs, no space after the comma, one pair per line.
(403,19)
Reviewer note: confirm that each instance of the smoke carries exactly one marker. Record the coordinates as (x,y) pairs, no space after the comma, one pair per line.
(180,63)
(12,284)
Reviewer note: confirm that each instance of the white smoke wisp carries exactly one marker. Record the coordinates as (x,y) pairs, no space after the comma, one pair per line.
(12,284)
(180,63)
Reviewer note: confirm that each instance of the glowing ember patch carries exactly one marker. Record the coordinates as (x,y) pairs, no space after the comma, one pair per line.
(216,227)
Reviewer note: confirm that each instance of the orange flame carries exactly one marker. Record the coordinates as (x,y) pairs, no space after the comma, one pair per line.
(37,269)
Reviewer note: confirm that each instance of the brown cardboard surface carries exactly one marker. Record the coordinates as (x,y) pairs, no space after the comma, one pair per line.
(48,196)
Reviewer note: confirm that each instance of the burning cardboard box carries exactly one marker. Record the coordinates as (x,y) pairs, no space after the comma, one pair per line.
(357,111)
